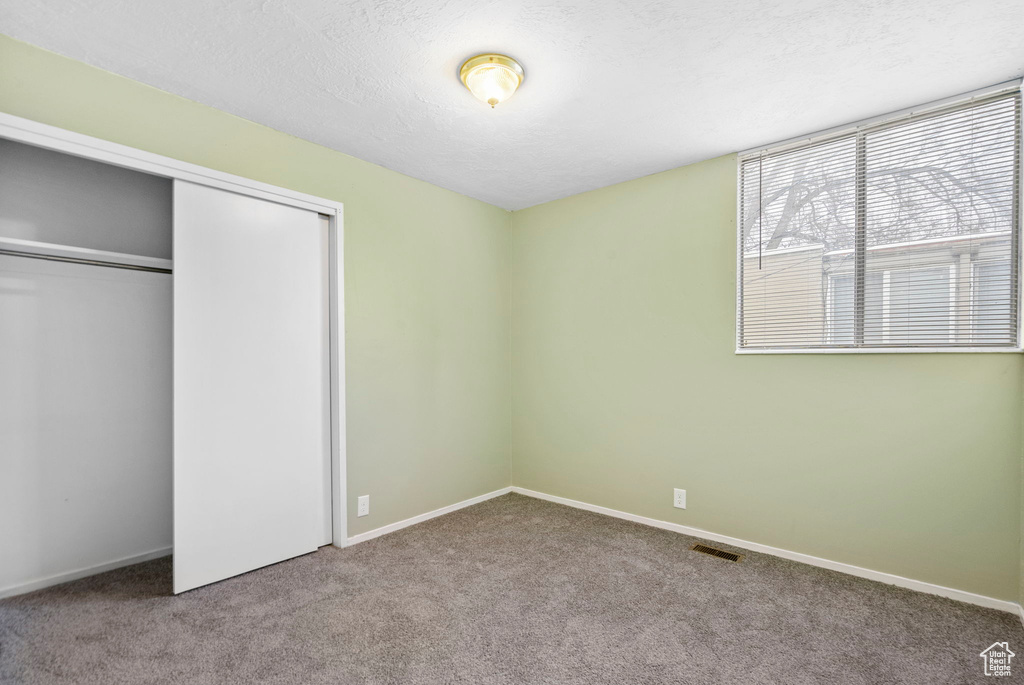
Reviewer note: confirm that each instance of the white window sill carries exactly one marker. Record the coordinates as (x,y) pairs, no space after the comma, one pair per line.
(879,350)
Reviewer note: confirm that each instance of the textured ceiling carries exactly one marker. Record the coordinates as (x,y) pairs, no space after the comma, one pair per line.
(613,90)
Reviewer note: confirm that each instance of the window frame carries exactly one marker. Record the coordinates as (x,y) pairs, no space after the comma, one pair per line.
(876,123)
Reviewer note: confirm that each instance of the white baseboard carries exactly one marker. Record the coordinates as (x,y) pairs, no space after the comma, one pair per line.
(891,579)
(59,578)
(910,584)
(392,527)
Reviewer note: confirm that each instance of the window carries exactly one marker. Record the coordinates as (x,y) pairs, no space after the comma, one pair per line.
(900,234)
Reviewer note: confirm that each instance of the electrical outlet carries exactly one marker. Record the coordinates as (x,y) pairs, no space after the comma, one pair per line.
(364,506)
(680,499)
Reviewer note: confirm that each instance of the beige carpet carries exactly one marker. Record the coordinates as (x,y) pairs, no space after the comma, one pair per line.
(514,590)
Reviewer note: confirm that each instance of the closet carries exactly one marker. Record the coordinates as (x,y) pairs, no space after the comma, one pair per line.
(170,347)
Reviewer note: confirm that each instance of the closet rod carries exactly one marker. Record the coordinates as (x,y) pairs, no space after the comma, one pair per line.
(80,260)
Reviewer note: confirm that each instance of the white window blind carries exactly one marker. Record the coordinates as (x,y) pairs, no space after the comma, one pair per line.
(902,234)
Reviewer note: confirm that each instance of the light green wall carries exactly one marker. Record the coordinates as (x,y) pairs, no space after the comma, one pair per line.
(625,385)
(426,280)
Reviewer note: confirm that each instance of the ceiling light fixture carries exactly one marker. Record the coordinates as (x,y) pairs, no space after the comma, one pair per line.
(491,78)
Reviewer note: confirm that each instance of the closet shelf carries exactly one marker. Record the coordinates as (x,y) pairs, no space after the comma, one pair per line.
(83,255)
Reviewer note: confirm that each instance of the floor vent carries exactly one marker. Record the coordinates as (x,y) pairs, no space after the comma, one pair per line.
(720,553)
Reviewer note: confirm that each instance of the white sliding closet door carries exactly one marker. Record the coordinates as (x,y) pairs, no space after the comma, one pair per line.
(249,401)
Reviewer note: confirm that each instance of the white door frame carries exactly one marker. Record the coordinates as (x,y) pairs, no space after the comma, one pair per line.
(69,142)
